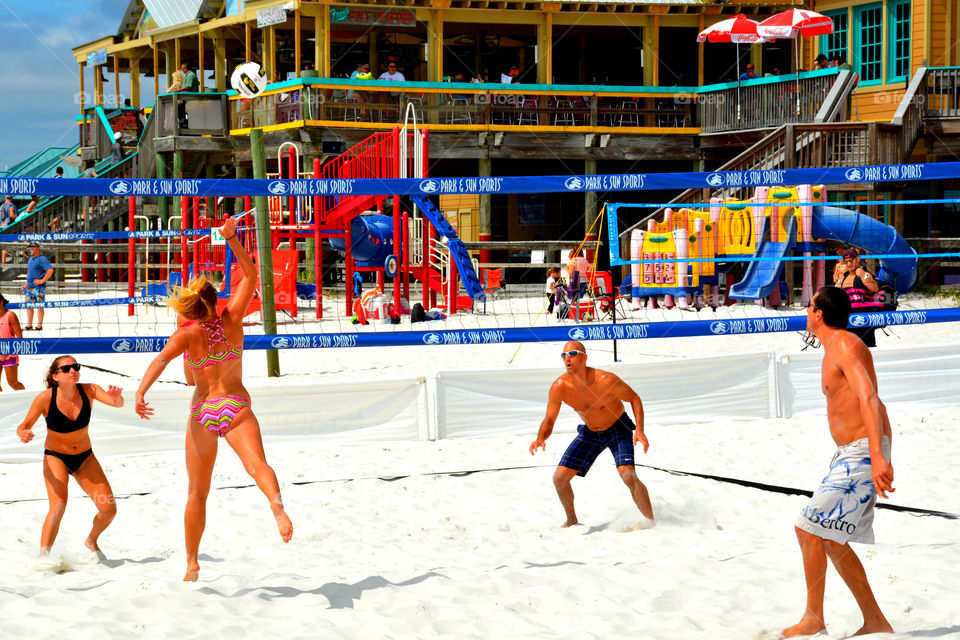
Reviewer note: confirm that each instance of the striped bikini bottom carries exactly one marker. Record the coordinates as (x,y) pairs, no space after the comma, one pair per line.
(217,414)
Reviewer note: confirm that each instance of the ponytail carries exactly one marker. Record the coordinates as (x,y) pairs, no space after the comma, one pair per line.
(195,301)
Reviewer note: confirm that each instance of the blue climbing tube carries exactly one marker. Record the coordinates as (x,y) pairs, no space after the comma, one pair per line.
(371,239)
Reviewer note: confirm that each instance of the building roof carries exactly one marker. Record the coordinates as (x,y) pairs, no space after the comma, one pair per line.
(168,13)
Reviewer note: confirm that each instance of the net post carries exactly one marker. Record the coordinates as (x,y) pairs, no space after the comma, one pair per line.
(265,251)
(131,251)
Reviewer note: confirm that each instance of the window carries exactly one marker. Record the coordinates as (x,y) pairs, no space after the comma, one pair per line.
(898,19)
(868,42)
(835,44)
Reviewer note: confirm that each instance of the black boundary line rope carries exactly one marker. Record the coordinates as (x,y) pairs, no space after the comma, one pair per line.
(773,488)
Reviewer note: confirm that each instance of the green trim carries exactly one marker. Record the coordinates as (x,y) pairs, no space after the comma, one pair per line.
(471,87)
(838,35)
(892,40)
(858,47)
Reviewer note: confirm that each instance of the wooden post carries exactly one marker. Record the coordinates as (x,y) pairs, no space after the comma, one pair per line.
(200,70)
(246,42)
(176,54)
(163,203)
(484,222)
(589,213)
(296,42)
(116,82)
(656,51)
(259,155)
(156,71)
(97,86)
(321,44)
(177,173)
(649,53)
(83,98)
(220,63)
(435,47)
(545,49)
(700,55)
(135,81)
(270,53)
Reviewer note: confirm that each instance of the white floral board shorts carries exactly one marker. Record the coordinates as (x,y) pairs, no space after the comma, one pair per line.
(841,508)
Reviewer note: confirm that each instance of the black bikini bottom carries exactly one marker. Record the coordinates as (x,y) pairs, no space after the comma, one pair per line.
(72,461)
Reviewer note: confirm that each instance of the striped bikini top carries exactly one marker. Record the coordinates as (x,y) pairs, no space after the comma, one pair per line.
(215,336)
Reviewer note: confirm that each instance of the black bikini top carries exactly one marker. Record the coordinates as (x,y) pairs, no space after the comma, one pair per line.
(60,423)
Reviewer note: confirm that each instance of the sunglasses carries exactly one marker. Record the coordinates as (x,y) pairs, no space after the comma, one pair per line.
(573,353)
(65,368)
(810,305)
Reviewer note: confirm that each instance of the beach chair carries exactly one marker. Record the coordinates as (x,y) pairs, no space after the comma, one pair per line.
(605,297)
(494,287)
(567,300)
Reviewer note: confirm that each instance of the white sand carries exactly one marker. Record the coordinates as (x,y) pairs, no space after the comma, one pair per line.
(435,553)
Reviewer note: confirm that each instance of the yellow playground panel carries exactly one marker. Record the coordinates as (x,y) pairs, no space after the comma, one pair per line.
(683,234)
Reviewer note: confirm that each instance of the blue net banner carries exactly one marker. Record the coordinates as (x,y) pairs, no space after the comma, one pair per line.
(95,302)
(582,333)
(101,235)
(475,185)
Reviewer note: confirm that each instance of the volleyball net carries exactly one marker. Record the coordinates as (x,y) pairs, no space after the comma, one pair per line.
(352,259)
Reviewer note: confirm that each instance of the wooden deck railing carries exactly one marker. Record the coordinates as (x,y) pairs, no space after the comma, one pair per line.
(343,103)
(765,102)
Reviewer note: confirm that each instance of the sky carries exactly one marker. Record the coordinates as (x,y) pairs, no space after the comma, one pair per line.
(39,75)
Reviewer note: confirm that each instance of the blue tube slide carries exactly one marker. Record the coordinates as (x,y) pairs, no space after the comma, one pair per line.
(371,237)
(850,227)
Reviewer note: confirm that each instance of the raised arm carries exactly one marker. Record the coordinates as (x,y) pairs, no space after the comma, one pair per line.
(25,430)
(242,297)
(175,346)
(113,396)
(554,401)
(853,362)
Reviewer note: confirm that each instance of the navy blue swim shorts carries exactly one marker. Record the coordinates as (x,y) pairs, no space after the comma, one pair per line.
(588,444)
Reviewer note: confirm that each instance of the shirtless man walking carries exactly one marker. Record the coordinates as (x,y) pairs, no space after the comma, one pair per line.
(598,397)
(841,509)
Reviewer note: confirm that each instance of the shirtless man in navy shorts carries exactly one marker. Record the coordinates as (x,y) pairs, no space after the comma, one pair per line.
(598,397)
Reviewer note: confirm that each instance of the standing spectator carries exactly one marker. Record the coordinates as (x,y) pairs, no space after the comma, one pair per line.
(579,263)
(551,287)
(87,202)
(39,270)
(748,74)
(8,212)
(32,205)
(58,173)
(10,328)
(190,81)
(860,285)
(116,149)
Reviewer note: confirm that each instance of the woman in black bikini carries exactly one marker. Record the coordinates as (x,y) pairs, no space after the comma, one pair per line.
(66,406)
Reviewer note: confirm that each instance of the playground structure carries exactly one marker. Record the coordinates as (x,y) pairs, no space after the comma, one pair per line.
(428,252)
(691,248)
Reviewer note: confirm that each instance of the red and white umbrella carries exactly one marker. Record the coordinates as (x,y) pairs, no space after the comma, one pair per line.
(738,30)
(795,24)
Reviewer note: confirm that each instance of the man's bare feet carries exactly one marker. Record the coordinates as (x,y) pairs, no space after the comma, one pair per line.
(283,522)
(807,626)
(571,520)
(193,572)
(881,626)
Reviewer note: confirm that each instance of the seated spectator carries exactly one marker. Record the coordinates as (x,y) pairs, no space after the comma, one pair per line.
(393,75)
(176,82)
(821,62)
(510,77)
(458,77)
(748,74)
(362,72)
